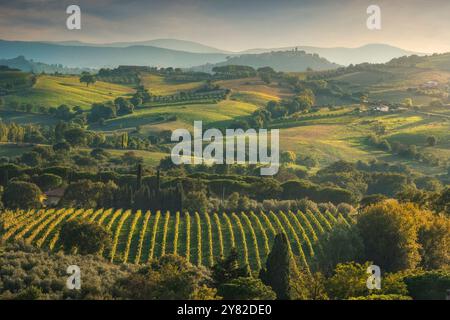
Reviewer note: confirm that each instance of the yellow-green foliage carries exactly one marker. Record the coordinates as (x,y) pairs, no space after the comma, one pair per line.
(53,91)
(165,228)
(244,241)
(316,222)
(210,240)
(308,225)
(302,233)
(141,236)
(254,239)
(263,232)
(199,239)
(323,220)
(219,233)
(296,238)
(117,233)
(137,215)
(154,231)
(188,237)
(230,230)
(176,233)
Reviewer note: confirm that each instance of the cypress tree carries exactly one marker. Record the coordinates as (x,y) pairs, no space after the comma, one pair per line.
(276,274)
(139,176)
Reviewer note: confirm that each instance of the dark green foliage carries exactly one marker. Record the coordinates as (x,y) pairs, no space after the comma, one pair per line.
(168,278)
(47,181)
(29,273)
(227,269)
(246,289)
(85,237)
(342,244)
(432,285)
(88,194)
(76,137)
(22,195)
(277,272)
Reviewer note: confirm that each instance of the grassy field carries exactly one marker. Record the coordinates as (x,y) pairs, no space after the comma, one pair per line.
(52,91)
(153,118)
(201,238)
(255,86)
(159,86)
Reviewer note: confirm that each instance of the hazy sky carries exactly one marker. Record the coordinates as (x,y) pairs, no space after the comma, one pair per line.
(418,25)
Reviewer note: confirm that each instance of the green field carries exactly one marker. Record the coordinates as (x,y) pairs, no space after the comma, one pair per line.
(201,238)
(154,118)
(52,91)
(159,86)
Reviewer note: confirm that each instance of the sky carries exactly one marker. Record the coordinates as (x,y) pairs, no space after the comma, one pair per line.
(234,25)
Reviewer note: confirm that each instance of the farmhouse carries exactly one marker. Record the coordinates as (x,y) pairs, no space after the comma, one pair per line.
(52,197)
(430,85)
(381,108)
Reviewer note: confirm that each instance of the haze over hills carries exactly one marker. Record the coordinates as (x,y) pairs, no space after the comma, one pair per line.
(293,60)
(97,57)
(372,53)
(23,64)
(188,54)
(173,44)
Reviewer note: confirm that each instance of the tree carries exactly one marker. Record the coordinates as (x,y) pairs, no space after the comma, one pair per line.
(196,201)
(63,112)
(288,157)
(32,159)
(61,147)
(277,273)
(47,181)
(86,237)
(343,244)
(87,78)
(389,233)
(408,102)
(431,285)
(88,194)
(22,195)
(76,137)
(123,106)
(434,238)
(349,280)
(247,288)
(431,141)
(170,277)
(227,269)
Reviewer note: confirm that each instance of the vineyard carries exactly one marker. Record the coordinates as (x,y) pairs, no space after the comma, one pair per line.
(137,237)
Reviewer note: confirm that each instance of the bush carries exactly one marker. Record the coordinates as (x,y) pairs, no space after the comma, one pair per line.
(431,285)
(22,195)
(170,277)
(47,181)
(246,289)
(85,237)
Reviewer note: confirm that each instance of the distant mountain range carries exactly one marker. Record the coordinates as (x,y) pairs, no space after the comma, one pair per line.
(372,53)
(187,54)
(173,44)
(97,57)
(23,64)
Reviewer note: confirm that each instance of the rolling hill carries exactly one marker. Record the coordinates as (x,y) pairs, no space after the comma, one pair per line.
(96,57)
(372,53)
(288,61)
(52,91)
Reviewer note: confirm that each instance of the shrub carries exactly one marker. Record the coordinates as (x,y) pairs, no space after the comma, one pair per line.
(85,237)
